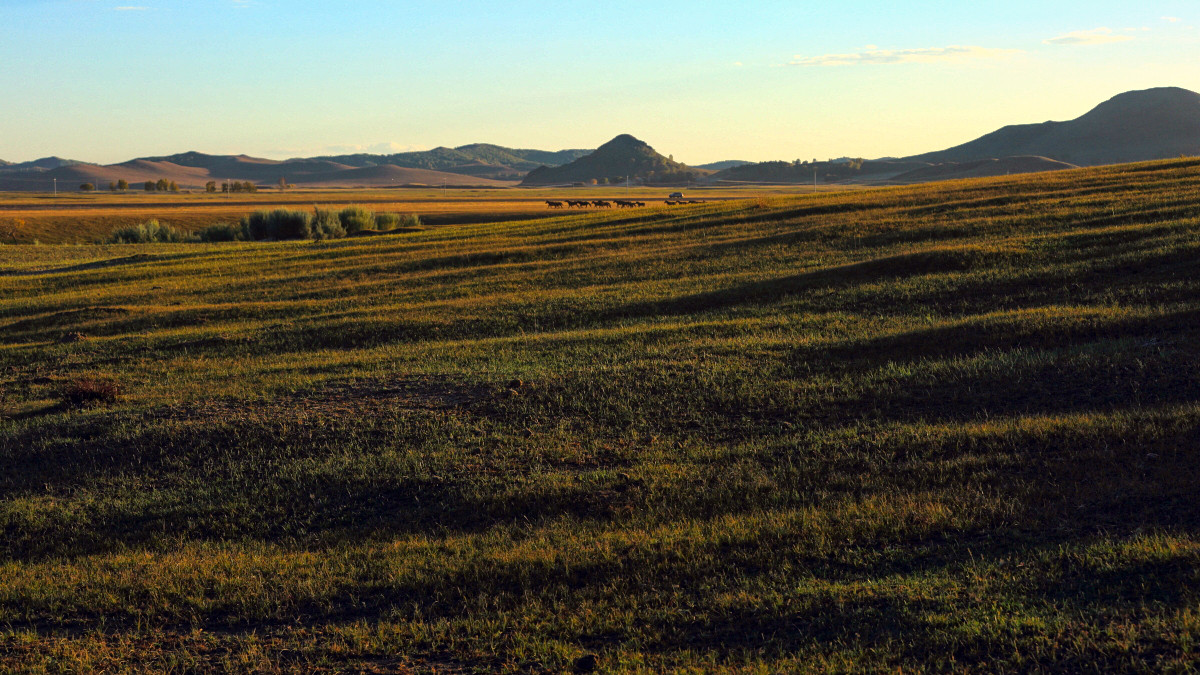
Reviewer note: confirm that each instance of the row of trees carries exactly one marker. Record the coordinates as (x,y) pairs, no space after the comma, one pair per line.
(161,185)
(235,186)
(164,185)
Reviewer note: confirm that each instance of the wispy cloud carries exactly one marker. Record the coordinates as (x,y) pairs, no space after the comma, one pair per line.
(871,56)
(1095,36)
(1171,19)
(129,8)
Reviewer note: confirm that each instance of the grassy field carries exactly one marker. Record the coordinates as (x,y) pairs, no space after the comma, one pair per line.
(85,218)
(953,427)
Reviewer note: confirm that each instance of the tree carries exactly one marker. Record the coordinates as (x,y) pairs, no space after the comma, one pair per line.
(122,184)
(173,186)
(87,187)
(282,184)
(149,186)
(210,186)
(162,185)
(112,186)
(224,187)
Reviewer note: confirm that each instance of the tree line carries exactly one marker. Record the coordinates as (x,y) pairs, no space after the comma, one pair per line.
(164,185)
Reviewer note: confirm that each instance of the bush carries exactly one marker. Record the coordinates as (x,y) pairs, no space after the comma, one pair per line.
(326,224)
(152,232)
(222,232)
(277,224)
(392,221)
(84,391)
(356,219)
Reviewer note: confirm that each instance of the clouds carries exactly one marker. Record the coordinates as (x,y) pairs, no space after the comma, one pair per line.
(874,56)
(130,8)
(1095,36)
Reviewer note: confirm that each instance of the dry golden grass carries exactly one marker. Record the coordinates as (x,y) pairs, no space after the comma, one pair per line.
(87,218)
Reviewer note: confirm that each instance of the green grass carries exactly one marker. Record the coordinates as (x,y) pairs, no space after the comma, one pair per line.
(941,428)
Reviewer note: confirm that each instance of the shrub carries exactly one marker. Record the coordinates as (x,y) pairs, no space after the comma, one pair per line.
(356,219)
(277,224)
(326,224)
(152,232)
(392,221)
(222,232)
(84,391)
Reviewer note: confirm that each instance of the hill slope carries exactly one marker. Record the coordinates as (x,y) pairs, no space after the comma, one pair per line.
(950,427)
(478,159)
(982,168)
(1131,127)
(616,160)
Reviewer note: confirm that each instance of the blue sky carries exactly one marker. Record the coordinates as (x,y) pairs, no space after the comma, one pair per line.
(106,81)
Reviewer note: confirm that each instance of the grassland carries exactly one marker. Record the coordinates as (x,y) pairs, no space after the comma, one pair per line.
(951,427)
(85,218)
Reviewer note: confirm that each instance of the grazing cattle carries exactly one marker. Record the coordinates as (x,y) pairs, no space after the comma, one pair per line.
(554,204)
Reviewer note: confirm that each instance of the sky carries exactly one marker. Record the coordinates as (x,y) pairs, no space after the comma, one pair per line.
(104,81)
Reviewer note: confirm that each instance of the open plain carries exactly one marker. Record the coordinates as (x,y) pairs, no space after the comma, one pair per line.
(948,427)
(84,218)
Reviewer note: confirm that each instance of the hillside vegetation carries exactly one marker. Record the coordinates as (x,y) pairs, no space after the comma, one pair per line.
(951,427)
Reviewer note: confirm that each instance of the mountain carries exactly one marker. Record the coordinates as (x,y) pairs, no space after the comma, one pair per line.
(43,164)
(481,160)
(1131,127)
(191,170)
(981,168)
(805,173)
(390,175)
(622,157)
(721,166)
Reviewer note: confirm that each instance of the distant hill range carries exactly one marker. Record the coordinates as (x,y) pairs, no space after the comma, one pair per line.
(721,166)
(482,160)
(479,165)
(1131,127)
(623,158)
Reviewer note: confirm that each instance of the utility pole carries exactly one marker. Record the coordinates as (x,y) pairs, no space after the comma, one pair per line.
(55,187)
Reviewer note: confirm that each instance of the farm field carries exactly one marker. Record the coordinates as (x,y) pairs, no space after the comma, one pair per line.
(70,218)
(945,428)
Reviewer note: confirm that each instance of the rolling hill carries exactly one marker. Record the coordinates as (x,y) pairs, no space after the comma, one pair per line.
(1131,127)
(980,168)
(622,157)
(482,160)
(191,170)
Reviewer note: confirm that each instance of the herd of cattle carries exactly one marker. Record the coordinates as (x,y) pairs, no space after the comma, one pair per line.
(605,204)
